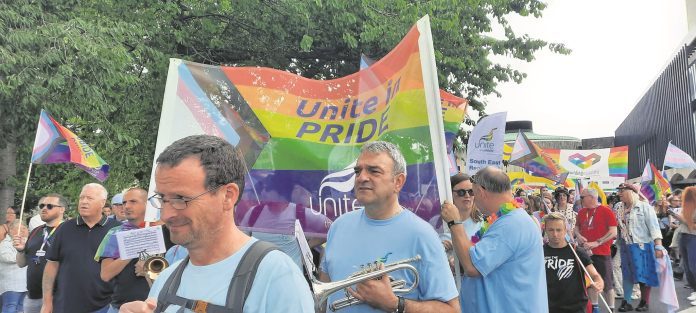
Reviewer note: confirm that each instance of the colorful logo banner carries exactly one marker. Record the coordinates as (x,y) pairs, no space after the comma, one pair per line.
(593,163)
(301,137)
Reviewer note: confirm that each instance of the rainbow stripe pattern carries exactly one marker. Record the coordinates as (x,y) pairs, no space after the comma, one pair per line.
(308,133)
(653,185)
(55,143)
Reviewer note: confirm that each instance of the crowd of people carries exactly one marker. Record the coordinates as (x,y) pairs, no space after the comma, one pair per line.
(517,252)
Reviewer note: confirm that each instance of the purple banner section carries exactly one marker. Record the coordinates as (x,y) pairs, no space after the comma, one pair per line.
(317,198)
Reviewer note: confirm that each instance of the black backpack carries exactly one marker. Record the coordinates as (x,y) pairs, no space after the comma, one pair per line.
(237,293)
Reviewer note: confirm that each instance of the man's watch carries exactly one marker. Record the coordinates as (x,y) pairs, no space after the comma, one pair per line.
(453,222)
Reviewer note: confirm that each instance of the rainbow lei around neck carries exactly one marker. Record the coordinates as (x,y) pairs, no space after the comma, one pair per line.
(505,208)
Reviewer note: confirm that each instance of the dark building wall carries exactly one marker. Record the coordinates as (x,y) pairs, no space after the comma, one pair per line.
(664,113)
(598,143)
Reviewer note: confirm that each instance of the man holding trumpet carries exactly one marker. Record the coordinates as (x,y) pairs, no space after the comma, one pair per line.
(386,232)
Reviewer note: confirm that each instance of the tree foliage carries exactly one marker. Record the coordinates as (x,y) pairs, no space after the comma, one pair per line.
(100,66)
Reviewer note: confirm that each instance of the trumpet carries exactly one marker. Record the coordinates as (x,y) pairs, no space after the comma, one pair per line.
(371,271)
(154,265)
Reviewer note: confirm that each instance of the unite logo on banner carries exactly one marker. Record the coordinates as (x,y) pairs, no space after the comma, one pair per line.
(486,143)
(300,137)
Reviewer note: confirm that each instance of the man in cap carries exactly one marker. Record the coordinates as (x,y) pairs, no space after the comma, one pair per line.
(117,207)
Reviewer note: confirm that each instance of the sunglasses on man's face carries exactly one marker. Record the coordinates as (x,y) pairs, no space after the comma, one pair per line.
(463,192)
(49,206)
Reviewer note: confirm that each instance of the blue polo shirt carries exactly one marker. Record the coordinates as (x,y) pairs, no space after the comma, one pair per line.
(79,288)
(510,258)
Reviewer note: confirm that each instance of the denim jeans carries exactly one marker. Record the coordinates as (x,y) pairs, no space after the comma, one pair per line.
(12,302)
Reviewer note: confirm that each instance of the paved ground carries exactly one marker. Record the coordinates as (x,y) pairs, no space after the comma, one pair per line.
(657,307)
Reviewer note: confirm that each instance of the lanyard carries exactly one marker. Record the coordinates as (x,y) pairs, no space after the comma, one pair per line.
(590,219)
(47,235)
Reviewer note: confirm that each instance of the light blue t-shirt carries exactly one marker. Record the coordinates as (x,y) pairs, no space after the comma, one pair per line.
(176,253)
(355,239)
(510,258)
(278,286)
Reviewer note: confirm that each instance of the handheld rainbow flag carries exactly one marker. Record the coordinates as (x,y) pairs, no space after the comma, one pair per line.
(677,158)
(531,157)
(653,185)
(55,143)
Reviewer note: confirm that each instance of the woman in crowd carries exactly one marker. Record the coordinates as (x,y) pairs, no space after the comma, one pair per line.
(470,217)
(640,244)
(687,239)
(13,279)
(463,199)
(663,217)
(562,206)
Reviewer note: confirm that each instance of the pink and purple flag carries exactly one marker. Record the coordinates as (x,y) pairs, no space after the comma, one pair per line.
(56,144)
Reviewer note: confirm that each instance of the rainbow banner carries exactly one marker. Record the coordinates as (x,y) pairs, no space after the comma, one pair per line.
(55,143)
(301,137)
(453,113)
(594,163)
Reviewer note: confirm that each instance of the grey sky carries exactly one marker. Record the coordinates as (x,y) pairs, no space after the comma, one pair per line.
(619,48)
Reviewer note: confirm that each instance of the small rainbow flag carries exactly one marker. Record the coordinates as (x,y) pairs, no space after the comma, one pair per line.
(531,157)
(56,144)
(653,185)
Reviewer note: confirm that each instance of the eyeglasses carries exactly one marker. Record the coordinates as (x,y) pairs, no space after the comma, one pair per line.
(463,192)
(49,206)
(178,203)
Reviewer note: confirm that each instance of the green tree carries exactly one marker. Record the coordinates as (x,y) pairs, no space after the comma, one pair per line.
(100,66)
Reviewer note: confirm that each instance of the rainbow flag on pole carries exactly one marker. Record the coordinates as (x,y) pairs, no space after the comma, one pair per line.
(54,143)
(531,157)
(653,185)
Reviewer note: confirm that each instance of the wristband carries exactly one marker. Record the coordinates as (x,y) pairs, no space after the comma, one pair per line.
(401,305)
(453,222)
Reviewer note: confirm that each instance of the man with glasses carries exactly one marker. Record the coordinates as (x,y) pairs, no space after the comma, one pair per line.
(127,285)
(595,230)
(79,289)
(32,252)
(199,180)
(505,257)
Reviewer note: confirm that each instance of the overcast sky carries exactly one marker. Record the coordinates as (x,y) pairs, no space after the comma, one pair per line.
(619,48)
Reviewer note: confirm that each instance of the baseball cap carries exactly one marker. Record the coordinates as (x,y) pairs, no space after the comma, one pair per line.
(117,199)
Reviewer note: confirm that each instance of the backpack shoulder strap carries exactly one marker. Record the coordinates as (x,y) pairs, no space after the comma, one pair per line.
(171,285)
(34,231)
(245,273)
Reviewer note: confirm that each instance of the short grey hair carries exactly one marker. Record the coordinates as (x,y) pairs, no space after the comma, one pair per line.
(392,150)
(492,179)
(593,192)
(103,193)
